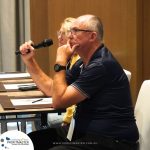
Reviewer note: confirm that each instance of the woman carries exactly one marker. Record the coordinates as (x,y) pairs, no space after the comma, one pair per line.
(55,120)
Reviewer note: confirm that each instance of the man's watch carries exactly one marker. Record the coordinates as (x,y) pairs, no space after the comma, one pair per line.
(58,67)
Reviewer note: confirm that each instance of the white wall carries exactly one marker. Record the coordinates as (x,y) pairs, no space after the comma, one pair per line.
(14,30)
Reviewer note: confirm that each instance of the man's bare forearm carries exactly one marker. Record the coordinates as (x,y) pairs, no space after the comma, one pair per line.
(43,81)
(59,88)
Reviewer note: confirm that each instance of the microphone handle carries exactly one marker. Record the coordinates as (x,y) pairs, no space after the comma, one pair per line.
(17,52)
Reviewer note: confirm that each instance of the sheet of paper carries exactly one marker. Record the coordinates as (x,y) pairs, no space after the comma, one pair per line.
(31,101)
(71,129)
(13,75)
(16,86)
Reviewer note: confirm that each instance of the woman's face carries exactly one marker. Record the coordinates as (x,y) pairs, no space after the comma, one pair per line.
(62,37)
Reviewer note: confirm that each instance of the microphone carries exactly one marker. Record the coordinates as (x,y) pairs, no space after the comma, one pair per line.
(44,43)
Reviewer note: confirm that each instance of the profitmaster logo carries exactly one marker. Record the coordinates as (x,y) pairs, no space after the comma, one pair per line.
(12,141)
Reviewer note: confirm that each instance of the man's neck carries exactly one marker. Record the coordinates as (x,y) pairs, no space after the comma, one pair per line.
(86,58)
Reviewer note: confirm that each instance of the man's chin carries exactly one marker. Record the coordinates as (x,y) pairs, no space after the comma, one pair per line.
(71,45)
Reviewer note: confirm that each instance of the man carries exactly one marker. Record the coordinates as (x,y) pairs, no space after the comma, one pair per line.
(97,84)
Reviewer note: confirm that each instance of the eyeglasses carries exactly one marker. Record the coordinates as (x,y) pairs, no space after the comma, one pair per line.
(60,33)
(75,30)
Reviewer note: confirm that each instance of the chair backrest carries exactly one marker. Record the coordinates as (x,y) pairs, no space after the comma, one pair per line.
(142,114)
(128,73)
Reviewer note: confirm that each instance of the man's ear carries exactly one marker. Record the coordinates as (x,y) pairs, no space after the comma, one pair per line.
(93,36)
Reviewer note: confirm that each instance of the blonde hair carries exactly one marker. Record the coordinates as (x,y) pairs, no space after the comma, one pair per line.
(66,25)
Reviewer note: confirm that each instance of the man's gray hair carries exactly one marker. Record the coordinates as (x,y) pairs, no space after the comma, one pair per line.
(95,24)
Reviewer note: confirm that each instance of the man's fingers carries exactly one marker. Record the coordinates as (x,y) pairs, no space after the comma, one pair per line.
(26,47)
(75,47)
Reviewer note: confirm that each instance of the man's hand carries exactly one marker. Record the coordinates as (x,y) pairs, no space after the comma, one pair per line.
(27,51)
(65,52)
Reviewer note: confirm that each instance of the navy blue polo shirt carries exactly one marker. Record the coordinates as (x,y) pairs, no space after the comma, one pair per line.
(107,110)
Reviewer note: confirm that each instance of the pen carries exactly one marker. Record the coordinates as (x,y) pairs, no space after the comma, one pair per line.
(37,100)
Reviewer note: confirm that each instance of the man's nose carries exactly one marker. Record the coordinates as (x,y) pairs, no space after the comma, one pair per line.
(70,36)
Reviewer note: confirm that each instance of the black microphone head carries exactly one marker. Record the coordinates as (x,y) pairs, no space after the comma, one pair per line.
(44,43)
(47,42)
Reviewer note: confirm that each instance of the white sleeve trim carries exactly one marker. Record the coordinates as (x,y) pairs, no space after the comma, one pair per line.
(80,90)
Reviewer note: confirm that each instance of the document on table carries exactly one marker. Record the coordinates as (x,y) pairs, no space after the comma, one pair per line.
(13,75)
(16,86)
(31,101)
